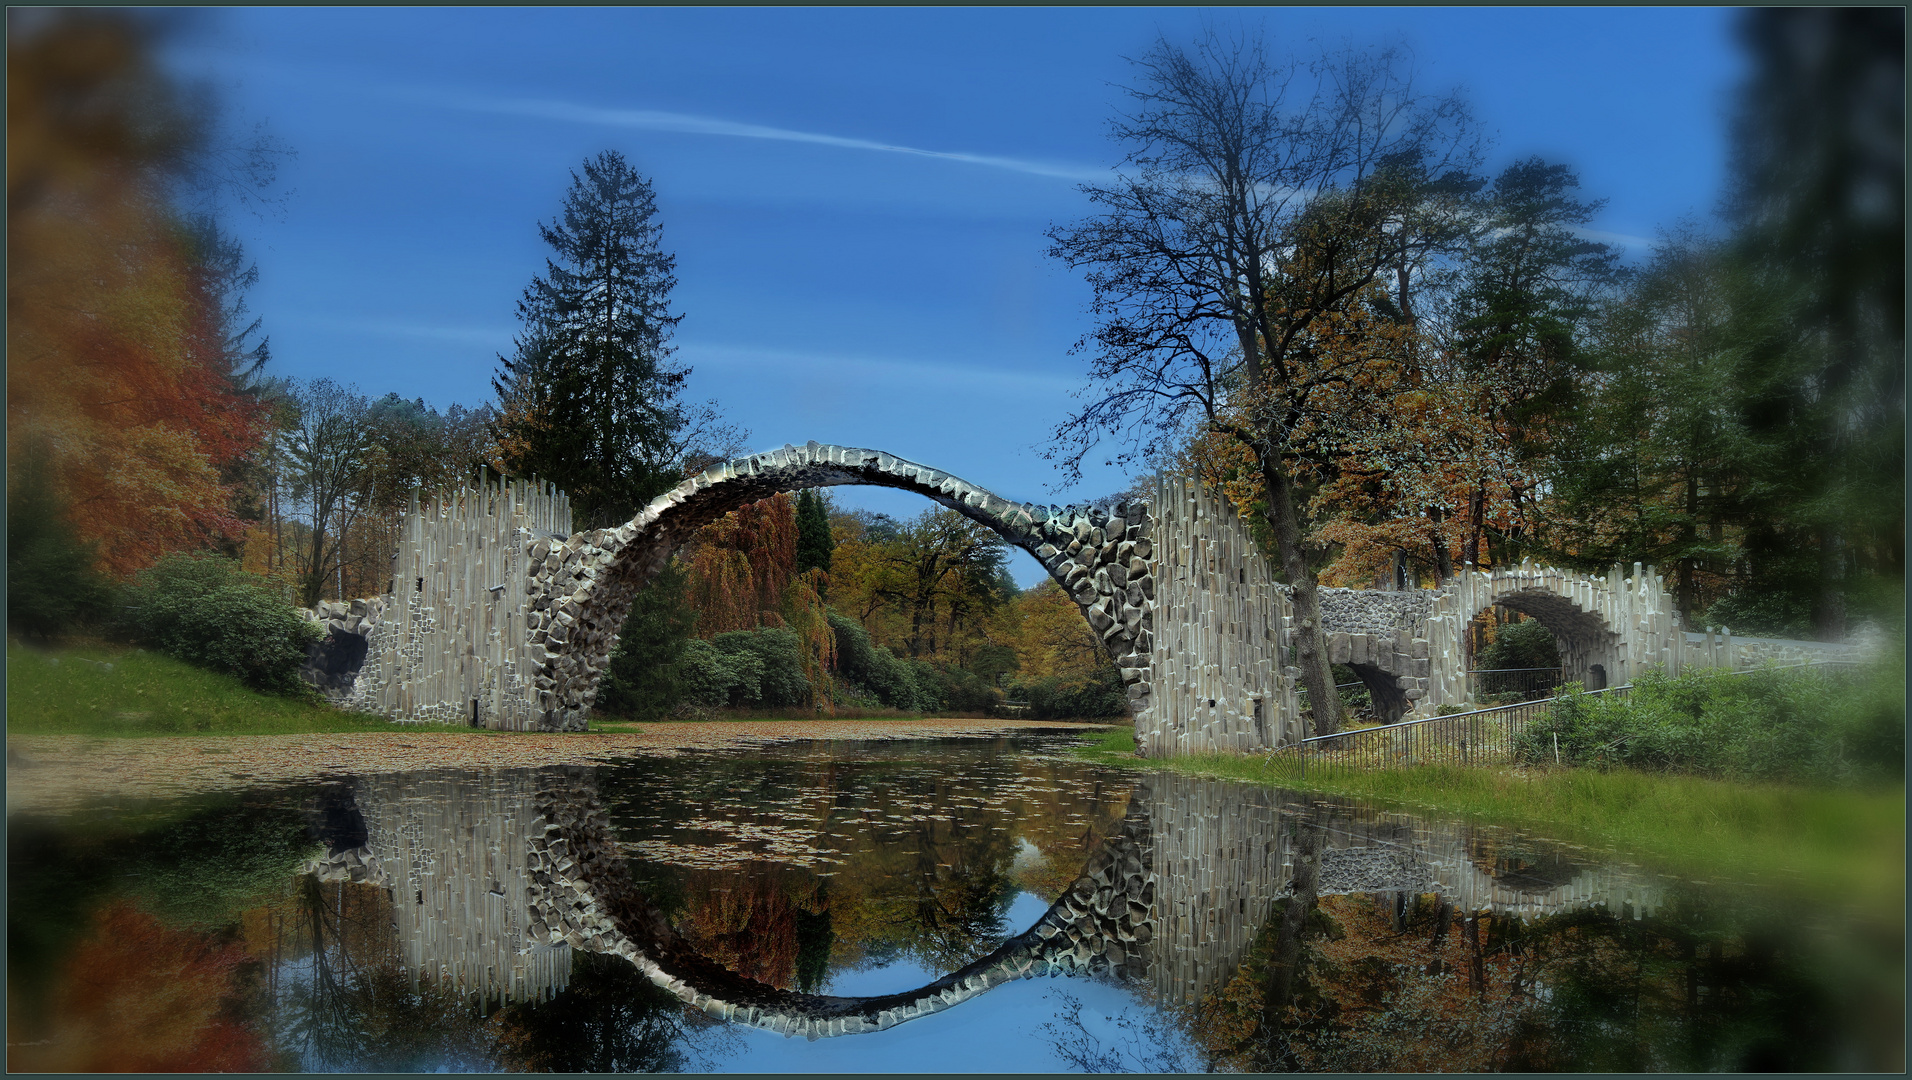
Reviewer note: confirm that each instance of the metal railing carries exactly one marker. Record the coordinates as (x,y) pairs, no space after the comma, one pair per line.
(1507,686)
(1478,737)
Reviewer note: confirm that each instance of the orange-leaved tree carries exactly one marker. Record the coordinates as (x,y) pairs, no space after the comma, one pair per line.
(125,363)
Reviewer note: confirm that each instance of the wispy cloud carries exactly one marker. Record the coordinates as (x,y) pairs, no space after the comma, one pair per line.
(689,124)
(919,375)
(490,337)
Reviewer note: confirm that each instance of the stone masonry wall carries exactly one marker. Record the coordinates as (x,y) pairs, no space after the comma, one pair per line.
(1216,681)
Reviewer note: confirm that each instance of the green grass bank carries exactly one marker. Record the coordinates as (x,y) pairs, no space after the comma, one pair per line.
(1844,845)
(118,691)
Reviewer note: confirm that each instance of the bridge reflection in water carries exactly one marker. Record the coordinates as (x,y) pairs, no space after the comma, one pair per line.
(497,879)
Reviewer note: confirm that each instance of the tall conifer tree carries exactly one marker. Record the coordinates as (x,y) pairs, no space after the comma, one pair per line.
(589,399)
(814,543)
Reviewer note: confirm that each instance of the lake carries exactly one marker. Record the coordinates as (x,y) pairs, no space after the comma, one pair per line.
(981,904)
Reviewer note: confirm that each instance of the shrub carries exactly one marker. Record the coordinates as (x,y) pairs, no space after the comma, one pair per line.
(52,583)
(761,667)
(779,662)
(713,677)
(873,668)
(645,678)
(206,611)
(1100,696)
(1775,725)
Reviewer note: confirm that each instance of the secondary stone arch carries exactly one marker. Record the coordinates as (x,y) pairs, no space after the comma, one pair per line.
(582,586)
(1585,642)
(1608,629)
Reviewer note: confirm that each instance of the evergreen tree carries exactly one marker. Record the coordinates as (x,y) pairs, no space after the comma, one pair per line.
(814,543)
(644,680)
(1819,202)
(589,400)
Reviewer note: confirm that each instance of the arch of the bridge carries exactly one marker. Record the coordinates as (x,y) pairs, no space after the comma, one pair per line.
(583,586)
(1582,635)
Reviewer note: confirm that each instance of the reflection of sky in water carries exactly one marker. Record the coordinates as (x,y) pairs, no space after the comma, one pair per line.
(1000,1031)
(900,975)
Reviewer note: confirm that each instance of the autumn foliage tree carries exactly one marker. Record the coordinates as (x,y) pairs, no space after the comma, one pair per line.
(1261,202)
(127,353)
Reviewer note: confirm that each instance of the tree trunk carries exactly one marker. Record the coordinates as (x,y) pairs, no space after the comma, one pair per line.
(1283,965)
(1476,963)
(1476,521)
(1829,607)
(1310,639)
(1443,560)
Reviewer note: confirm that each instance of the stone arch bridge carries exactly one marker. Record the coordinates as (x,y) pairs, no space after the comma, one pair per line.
(502,616)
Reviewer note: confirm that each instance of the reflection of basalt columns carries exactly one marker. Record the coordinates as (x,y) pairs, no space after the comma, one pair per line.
(451,849)
(1221,857)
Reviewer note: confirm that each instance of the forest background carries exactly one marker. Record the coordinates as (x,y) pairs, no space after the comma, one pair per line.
(1495,386)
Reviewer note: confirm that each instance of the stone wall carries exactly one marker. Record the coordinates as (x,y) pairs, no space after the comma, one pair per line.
(451,643)
(1220,628)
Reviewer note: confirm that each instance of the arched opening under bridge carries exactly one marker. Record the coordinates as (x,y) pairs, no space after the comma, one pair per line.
(584,585)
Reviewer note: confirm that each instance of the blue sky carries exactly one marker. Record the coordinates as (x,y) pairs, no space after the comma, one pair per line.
(856,197)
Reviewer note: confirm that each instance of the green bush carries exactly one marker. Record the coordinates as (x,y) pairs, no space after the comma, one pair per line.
(711,677)
(956,690)
(746,668)
(1774,725)
(206,611)
(779,655)
(1102,695)
(870,667)
(52,583)
(645,679)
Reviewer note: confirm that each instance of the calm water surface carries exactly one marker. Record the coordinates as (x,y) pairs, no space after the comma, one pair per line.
(688,913)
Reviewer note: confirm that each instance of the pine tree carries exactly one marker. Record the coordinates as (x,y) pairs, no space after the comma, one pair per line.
(643,681)
(589,400)
(814,543)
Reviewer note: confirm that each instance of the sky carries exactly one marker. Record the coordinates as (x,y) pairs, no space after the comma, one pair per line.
(856,198)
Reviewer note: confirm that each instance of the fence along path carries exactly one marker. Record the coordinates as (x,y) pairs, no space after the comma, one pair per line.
(1478,737)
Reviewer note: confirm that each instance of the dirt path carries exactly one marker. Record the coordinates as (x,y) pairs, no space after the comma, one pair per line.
(51,773)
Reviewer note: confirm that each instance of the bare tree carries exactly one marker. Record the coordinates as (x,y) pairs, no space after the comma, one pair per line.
(327,445)
(1259,200)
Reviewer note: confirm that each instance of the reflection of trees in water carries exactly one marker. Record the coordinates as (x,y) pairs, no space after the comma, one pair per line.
(1690,989)
(920,864)
(1150,1042)
(345,1001)
(138,995)
(610,1018)
(959,911)
(748,921)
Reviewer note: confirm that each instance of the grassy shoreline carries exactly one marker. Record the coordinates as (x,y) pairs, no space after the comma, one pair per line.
(117,691)
(108,690)
(1829,843)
